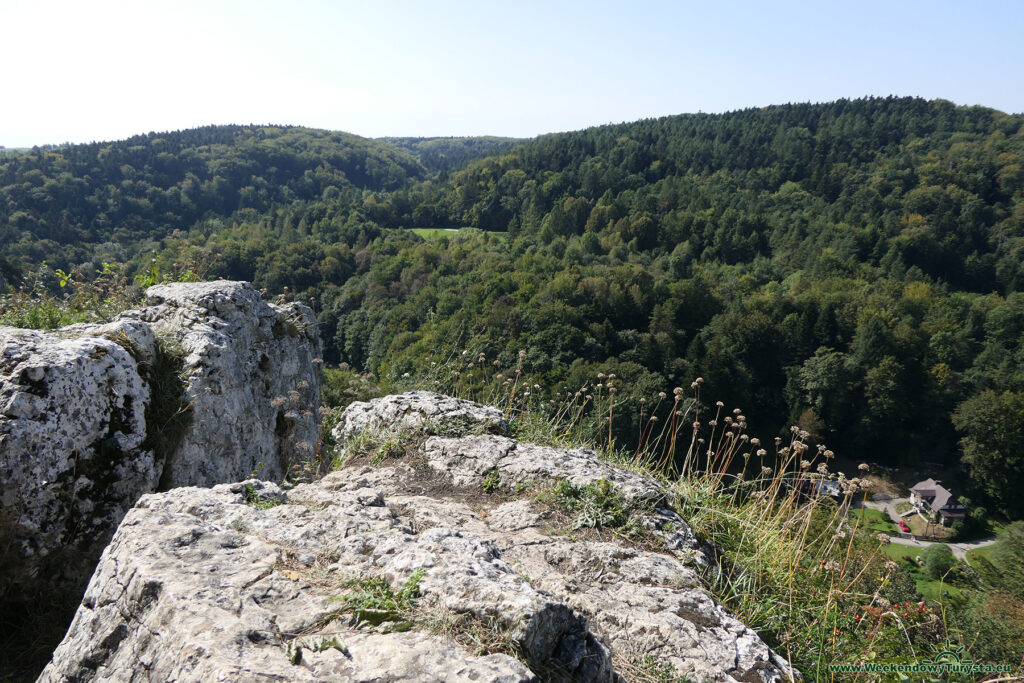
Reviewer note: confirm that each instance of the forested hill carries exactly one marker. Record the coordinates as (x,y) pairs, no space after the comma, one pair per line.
(931,181)
(852,267)
(54,201)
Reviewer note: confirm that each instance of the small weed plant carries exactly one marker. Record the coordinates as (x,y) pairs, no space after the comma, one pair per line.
(492,482)
(373,601)
(253,498)
(595,506)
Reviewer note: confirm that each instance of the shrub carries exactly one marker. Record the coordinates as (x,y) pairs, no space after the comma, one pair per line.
(343,385)
(938,560)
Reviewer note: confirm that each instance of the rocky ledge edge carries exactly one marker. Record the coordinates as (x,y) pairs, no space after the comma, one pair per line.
(428,556)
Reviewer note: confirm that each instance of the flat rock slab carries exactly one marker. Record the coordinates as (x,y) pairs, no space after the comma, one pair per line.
(642,604)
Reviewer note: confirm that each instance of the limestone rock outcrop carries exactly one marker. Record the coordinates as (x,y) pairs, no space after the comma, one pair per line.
(86,413)
(250,581)
(251,378)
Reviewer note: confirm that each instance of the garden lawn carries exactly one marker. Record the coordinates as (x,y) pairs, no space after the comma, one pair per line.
(938,591)
(895,551)
(919,527)
(875,521)
(929,588)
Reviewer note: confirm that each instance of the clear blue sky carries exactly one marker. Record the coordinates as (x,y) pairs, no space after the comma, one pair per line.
(99,70)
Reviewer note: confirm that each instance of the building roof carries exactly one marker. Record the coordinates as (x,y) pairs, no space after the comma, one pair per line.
(941,496)
(926,487)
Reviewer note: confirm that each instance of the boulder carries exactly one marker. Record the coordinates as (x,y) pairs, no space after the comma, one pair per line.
(76,451)
(251,582)
(422,411)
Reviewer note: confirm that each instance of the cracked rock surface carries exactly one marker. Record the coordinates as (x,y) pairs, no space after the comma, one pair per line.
(197,585)
(226,583)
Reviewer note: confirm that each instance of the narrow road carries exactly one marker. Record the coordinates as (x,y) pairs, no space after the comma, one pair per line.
(959,549)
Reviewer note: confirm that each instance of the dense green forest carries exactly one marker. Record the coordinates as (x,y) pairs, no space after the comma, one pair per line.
(853,267)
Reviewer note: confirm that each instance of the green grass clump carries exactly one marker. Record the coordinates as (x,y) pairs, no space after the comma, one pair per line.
(377,445)
(651,670)
(392,448)
(381,443)
(48,299)
(374,602)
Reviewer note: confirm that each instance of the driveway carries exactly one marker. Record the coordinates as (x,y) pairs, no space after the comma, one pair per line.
(959,549)
(886,506)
